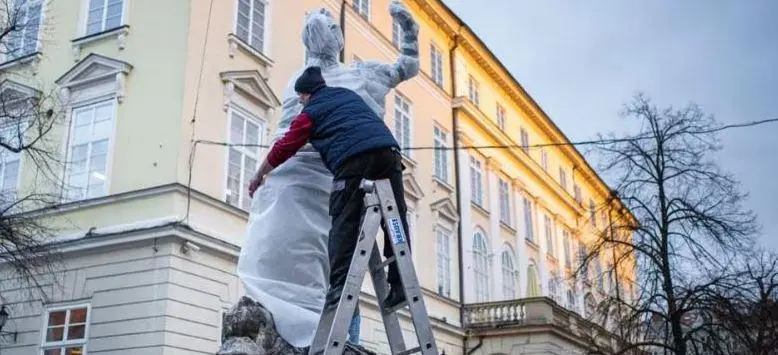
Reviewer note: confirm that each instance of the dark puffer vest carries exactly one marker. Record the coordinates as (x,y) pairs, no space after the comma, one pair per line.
(344,126)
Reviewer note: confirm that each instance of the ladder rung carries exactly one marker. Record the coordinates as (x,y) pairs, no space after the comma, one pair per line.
(383,264)
(396,308)
(410,351)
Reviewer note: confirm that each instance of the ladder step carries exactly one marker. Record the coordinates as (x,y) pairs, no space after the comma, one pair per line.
(383,264)
(410,351)
(397,307)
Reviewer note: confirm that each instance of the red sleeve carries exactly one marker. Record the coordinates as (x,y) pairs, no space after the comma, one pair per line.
(297,135)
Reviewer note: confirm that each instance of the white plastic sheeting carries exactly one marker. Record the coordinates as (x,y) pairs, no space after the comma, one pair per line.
(283,263)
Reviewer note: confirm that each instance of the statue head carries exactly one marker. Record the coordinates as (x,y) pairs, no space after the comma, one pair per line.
(322,36)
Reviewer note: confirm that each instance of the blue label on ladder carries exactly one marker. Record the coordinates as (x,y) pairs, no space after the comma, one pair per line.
(398,236)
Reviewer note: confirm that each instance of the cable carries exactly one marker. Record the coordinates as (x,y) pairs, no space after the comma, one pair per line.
(531,146)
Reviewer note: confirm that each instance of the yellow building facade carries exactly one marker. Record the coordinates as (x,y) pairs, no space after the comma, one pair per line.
(150,237)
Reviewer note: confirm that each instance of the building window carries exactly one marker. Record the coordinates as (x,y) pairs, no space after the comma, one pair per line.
(544,160)
(505,202)
(604,219)
(598,274)
(9,165)
(549,236)
(582,253)
(444,262)
(481,267)
(592,214)
(441,156)
(66,331)
(245,134)
(397,33)
(500,117)
(572,298)
(533,280)
(472,91)
(476,181)
(508,276)
(104,15)
(250,26)
(563,178)
(529,231)
(553,287)
(92,129)
(23,40)
(402,123)
(436,65)
(524,140)
(566,245)
(362,7)
(577,193)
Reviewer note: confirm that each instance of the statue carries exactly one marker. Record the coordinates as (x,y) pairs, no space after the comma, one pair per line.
(284,264)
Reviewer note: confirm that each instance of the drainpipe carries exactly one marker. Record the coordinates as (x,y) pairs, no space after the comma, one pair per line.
(457,193)
(343,29)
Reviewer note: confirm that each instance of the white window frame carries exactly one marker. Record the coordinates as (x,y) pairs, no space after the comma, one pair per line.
(440,166)
(524,140)
(544,160)
(9,157)
(592,213)
(436,65)
(509,282)
(553,286)
(232,110)
(577,193)
(363,8)
(500,116)
(397,33)
(473,88)
(566,246)
(476,181)
(505,202)
(24,37)
(109,148)
(563,178)
(265,25)
(44,345)
(529,229)
(549,231)
(403,121)
(443,253)
(103,17)
(481,266)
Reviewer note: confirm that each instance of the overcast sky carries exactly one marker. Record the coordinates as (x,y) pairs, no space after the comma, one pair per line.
(582,60)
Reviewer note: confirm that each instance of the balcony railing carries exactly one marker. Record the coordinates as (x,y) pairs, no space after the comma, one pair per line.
(538,311)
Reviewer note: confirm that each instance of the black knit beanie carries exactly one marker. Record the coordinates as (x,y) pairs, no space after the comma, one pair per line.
(309,81)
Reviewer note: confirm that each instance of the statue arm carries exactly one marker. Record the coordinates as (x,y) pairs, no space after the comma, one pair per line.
(407,65)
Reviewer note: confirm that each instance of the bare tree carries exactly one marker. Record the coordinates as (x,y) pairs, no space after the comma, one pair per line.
(688,221)
(30,162)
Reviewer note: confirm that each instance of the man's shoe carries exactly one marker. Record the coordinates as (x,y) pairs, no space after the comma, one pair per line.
(395,297)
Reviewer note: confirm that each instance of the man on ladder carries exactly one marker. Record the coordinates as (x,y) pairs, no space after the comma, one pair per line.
(355,145)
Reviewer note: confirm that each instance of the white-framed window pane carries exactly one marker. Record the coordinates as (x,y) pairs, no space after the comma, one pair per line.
(473,89)
(250,23)
(544,159)
(402,123)
(505,204)
(23,40)
(549,235)
(500,117)
(441,156)
(476,182)
(397,33)
(481,267)
(444,262)
(90,141)
(592,214)
(508,276)
(563,178)
(529,229)
(242,157)
(362,7)
(524,140)
(436,65)
(65,331)
(566,245)
(104,15)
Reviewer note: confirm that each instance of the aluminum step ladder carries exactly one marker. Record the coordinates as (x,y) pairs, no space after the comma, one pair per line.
(333,325)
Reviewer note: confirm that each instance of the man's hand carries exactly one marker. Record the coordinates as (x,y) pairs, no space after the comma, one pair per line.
(255,183)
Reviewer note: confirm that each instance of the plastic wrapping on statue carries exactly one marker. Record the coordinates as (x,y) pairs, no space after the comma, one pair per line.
(284,262)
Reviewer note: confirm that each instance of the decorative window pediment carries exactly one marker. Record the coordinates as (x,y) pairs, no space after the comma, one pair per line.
(95,70)
(250,84)
(412,187)
(446,209)
(12,92)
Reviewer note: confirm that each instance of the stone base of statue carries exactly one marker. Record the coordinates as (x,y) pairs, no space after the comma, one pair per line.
(248,329)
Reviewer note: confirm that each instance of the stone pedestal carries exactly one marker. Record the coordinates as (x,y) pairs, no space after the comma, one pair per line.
(248,329)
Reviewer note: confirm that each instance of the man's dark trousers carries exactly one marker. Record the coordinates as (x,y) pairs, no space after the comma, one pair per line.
(347,205)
